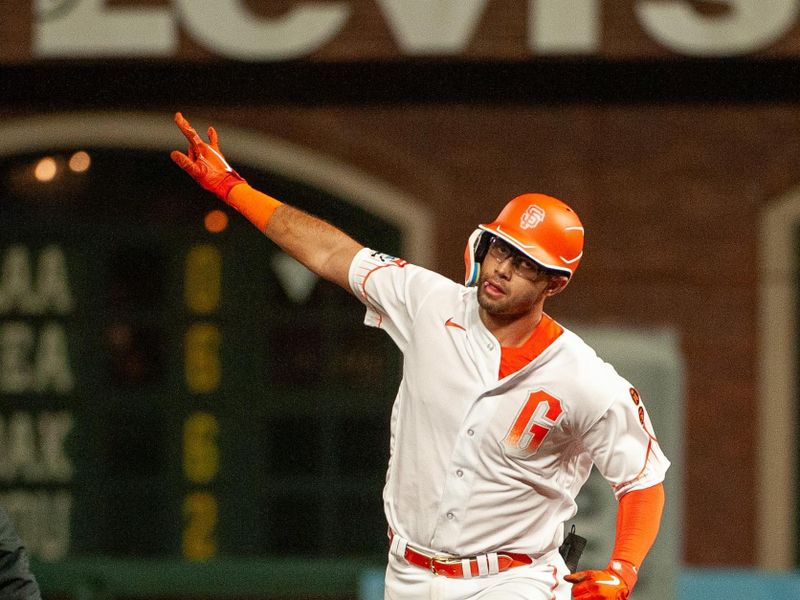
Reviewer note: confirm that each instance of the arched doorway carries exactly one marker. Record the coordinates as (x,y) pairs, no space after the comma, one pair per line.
(156,364)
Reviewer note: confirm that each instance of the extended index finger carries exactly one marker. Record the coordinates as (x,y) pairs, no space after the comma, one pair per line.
(187,129)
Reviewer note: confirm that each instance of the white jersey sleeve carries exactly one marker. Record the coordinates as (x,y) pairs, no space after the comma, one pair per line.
(623,446)
(393,291)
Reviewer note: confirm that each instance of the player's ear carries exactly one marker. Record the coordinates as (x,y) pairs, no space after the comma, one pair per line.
(556,284)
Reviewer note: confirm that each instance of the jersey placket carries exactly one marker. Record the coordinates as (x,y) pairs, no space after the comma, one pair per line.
(457,491)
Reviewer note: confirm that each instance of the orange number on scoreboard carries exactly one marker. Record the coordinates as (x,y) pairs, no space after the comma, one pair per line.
(200,510)
(534,421)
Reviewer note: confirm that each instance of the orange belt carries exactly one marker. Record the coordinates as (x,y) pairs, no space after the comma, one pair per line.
(456,567)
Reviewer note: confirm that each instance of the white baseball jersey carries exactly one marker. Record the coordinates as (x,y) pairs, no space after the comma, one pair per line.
(480,464)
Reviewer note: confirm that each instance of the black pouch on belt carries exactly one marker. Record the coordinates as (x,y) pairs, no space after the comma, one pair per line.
(571,549)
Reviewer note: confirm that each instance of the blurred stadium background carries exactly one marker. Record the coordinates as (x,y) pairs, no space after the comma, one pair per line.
(186,413)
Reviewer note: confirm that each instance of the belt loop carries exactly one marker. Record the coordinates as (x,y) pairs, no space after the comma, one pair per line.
(398,546)
(494,564)
(483,565)
(466,568)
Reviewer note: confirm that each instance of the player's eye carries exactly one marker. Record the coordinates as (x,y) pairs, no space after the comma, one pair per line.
(500,249)
(523,266)
(526,266)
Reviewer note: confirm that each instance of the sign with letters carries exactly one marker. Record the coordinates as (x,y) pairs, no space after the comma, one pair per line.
(381,29)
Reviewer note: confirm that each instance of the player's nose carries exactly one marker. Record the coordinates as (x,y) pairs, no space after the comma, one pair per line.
(504,268)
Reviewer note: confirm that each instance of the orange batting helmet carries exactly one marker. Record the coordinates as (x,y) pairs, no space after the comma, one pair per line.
(541,227)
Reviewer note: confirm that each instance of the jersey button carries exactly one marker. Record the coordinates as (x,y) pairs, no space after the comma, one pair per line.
(460,473)
(470,432)
(450,516)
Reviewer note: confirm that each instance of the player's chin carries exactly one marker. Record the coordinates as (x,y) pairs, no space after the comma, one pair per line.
(484,301)
(501,307)
(507,307)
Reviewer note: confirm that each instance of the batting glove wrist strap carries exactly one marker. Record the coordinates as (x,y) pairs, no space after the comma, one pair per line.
(627,571)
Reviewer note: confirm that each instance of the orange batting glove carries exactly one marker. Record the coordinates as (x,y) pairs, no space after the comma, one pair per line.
(615,582)
(205,162)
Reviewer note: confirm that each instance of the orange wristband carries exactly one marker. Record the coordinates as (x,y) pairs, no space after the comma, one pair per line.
(255,206)
(638,519)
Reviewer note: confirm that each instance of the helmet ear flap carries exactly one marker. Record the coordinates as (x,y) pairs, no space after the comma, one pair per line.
(474,253)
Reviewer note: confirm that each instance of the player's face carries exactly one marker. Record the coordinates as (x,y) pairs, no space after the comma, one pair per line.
(510,285)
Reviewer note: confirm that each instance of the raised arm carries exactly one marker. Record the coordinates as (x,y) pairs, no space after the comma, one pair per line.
(321,247)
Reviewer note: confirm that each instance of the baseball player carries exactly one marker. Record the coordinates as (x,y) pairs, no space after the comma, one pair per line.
(501,411)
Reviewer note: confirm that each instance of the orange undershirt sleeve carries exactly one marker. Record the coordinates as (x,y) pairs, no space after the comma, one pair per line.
(255,206)
(638,520)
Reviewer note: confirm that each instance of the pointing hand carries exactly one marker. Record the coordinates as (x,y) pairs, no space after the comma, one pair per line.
(204,161)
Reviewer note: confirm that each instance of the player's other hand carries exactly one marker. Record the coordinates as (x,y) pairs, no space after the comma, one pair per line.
(204,161)
(615,582)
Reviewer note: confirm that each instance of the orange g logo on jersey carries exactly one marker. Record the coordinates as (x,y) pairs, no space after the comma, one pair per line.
(533,422)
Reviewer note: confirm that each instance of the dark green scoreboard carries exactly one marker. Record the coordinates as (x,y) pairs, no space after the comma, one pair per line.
(171,384)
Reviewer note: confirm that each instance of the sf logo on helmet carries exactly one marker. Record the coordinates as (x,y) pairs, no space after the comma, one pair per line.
(532,216)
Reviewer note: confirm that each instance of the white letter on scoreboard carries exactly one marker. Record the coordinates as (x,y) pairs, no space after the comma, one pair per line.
(52,282)
(16,282)
(432,26)
(54,427)
(228,28)
(564,26)
(88,28)
(748,25)
(16,348)
(52,371)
